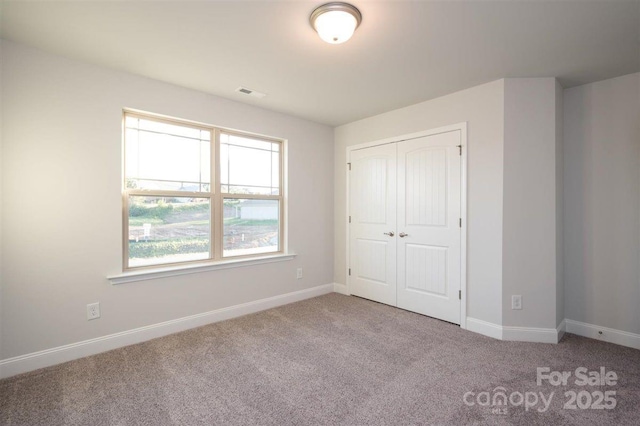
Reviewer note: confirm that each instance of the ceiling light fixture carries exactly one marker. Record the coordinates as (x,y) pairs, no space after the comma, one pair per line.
(335,22)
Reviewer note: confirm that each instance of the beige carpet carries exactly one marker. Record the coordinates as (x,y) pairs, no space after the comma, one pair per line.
(332,360)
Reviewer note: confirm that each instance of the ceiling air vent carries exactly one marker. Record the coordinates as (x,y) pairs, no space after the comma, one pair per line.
(250,92)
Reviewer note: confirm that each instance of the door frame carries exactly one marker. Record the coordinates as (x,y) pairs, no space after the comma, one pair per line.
(462,127)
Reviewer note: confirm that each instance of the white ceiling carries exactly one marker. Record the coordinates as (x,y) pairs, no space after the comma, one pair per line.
(403,53)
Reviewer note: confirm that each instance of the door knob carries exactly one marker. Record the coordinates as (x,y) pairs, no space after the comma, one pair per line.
(402,235)
(390,233)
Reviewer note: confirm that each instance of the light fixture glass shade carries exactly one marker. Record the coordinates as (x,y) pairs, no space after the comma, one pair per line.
(335,22)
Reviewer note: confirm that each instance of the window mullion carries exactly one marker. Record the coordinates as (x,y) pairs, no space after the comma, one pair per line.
(253,196)
(164,193)
(284,238)
(125,230)
(216,199)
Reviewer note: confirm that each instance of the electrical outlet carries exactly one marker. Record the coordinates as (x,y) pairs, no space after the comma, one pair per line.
(299,273)
(93,311)
(516,301)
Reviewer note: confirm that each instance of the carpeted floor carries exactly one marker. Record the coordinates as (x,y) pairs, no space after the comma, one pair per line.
(332,360)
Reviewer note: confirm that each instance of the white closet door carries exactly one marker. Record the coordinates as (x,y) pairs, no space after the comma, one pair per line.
(429,233)
(372,240)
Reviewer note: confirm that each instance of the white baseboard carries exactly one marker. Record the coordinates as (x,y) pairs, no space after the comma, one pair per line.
(561,329)
(530,334)
(341,288)
(605,334)
(485,328)
(553,335)
(519,334)
(33,361)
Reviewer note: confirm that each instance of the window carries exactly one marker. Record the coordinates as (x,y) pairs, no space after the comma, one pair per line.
(198,193)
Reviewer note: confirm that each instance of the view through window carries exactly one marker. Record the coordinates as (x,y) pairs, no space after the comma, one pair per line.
(183,204)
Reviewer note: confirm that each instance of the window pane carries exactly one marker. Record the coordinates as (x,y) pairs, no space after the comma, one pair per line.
(247,142)
(131,121)
(168,230)
(167,128)
(275,171)
(250,226)
(176,161)
(249,166)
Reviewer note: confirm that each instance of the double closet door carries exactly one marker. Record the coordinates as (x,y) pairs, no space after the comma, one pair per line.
(405,224)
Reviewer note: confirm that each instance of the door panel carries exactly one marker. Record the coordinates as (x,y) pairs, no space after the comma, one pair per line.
(426,186)
(372,206)
(372,260)
(426,269)
(429,179)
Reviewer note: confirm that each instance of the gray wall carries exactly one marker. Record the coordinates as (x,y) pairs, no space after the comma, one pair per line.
(61,203)
(529,225)
(482,108)
(602,203)
(1,191)
(559,204)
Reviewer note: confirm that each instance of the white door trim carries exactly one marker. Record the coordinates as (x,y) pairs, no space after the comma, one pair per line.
(463,232)
(462,127)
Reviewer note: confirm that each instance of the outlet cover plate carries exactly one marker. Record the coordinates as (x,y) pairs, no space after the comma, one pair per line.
(516,302)
(93,311)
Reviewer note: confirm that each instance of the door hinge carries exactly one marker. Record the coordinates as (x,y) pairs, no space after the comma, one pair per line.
(349,164)
(349,271)
(460,223)
(349,219)
(459,294)
(460,148)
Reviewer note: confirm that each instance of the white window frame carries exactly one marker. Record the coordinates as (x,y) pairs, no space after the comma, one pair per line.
(215,196)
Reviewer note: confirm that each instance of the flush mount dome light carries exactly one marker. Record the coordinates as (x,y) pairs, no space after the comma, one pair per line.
(335,22)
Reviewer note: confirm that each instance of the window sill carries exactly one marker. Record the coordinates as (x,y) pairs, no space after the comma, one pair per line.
(151,274)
